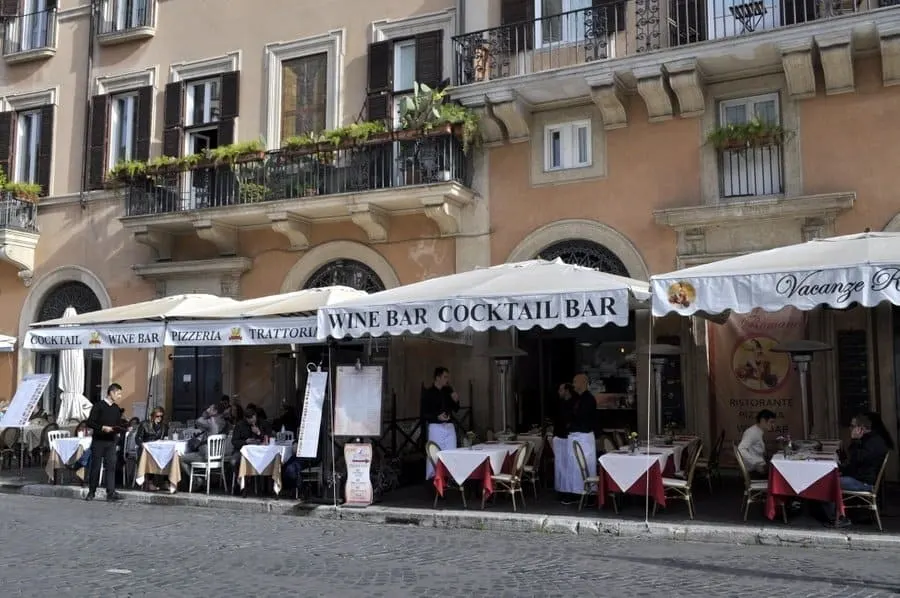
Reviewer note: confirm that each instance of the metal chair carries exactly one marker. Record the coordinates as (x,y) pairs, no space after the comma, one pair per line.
(861,499)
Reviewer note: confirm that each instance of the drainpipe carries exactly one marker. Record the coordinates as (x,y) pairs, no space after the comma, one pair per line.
(89,69)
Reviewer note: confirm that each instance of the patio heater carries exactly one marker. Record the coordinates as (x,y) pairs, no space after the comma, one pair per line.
(801,353)
(503,358)
(658,354)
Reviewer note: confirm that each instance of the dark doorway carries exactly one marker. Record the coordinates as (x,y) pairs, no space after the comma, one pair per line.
(196,380)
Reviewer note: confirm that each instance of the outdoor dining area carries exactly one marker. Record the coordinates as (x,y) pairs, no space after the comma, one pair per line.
(656,469)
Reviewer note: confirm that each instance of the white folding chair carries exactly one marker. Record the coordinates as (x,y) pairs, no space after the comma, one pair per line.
(52,437)
(215,462)
(188,433)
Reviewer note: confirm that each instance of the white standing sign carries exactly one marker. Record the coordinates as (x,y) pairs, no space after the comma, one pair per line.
(357,407)
(358,491)
(311,419)
(24,401)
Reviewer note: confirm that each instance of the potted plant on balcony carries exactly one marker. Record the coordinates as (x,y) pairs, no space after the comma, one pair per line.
(425,112)
(162,165)
(126,172)
(23,191)
(753,134)
(236,153)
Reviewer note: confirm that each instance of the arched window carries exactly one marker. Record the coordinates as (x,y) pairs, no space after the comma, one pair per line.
(586,253)
(72,293)
(347,273)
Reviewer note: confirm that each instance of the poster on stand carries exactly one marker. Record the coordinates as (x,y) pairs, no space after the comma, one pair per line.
(28,394)
(357,407)
(311,418)
(358,491)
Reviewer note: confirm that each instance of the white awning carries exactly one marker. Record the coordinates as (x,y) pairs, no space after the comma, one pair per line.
(7,343)
(305,302)
(518,295)
(157,309)
(862,268)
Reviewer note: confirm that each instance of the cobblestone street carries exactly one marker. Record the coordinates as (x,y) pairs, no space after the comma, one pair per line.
(65,547)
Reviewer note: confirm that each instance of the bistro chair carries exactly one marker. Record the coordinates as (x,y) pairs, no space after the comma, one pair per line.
(131,457)
(44,447)
(861,499)
(680,488)
(9,446)
(510,483)
(709,468)
(432,450)
(754,490)
(590,482)
(215,462)
(532,471)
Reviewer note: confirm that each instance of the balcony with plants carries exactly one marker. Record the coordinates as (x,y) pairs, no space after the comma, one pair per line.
(424,163)
(751,158)
(19,233)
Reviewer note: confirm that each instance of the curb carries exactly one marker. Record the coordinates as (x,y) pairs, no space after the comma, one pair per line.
(499,522)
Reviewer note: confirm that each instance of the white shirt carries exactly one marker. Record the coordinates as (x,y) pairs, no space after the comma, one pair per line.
(753,448)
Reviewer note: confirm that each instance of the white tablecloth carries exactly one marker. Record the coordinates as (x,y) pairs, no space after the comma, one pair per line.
(676,449)
(625,469)
(444,435)
(66,447)
(161,451)
(461,462)
(261,455)
(801,474)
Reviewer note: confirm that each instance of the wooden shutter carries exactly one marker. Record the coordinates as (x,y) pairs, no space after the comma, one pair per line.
(45,149)
(174,119)
(229,106)
(615,14)
(7,125)
(9,9)
(430,58)
(381,81)
(518,17)
(99,142)
(144,124)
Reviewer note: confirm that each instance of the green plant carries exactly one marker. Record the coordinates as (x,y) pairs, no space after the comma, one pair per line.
(127,170)
(456,114)
(300,142)
(426,110)
(755,133)
(253,192)
(162,163)
(24,191)
(229,154)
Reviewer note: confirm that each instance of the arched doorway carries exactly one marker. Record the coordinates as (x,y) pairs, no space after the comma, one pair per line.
(78,295)
(347,273)
(555,356)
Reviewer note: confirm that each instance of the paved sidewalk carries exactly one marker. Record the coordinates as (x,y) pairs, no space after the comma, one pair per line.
(764,534)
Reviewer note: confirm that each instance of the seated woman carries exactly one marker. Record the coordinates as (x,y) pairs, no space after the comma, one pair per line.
(85,459)
(149,431)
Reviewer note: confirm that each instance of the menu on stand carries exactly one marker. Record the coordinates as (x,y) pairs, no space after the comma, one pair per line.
(357,408)
(358,491)
(28,393)
(311,418)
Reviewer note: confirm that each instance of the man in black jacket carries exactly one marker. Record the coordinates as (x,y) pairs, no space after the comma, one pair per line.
(106,421)
(865,456)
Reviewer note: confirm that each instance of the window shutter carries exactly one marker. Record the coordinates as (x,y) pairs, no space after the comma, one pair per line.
(226,132)
(518,15)
(378,102)
(45,149)
(9,8)
(99,142)
(615,14)
(144,124)
(174,119)
(430,58)
(7,120)
(231,93)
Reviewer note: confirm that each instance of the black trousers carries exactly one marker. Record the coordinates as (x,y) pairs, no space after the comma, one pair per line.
(103,451)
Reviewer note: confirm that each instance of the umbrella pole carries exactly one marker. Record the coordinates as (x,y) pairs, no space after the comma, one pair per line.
(650,370)
(150,376)
(331,387)
(22,454)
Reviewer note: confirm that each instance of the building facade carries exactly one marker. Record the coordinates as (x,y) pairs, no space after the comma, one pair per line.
(634,136)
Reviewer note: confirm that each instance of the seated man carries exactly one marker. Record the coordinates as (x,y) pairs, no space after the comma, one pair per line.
(859,470)
(209,424)
(753,445)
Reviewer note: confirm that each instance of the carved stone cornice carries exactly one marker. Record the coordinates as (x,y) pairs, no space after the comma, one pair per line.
(294,228)
(223,236)
(372,220)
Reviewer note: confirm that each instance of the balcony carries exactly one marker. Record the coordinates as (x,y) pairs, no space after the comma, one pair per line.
(665,48)
(365,183)
(18,234)
(123,21)
(751,172)
(30,37)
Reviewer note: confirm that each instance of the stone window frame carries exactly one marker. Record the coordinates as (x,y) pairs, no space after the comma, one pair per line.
(567,149)
(125,82)
(445,20)
(710,188)
(333,45)
(541,121)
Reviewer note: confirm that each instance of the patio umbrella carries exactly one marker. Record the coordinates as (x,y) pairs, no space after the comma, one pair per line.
(7,343)
(73,404)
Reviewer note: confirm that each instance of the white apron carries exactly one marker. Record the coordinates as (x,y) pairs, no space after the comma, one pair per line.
(444,435)
(567,475)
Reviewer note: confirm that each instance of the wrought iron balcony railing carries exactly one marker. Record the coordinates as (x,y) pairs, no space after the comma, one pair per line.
(282,174)
(16,213)
(118,16)
(34,31)
(625,27)
(752,171)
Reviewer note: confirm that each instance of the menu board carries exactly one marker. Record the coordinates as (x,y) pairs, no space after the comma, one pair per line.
(22,405)
(357,404)
(673,411)
(853,374)
(358,491)
(311,418)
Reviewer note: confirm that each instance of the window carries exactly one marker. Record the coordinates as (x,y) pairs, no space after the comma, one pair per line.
(751,171)
(567,145)
(28,131)
(202,102)
(122,128)
(556,21)
(304,95)
(35,25)
(128,14)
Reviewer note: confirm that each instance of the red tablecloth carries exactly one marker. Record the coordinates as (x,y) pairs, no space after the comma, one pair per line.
(653,479)
(482,472)
(827,489)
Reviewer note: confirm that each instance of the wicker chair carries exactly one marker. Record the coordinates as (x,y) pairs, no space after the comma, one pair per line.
(860,499)
(431,451)
(589,481)
(510,483)
(680,488)
(709,468)
(754,490)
